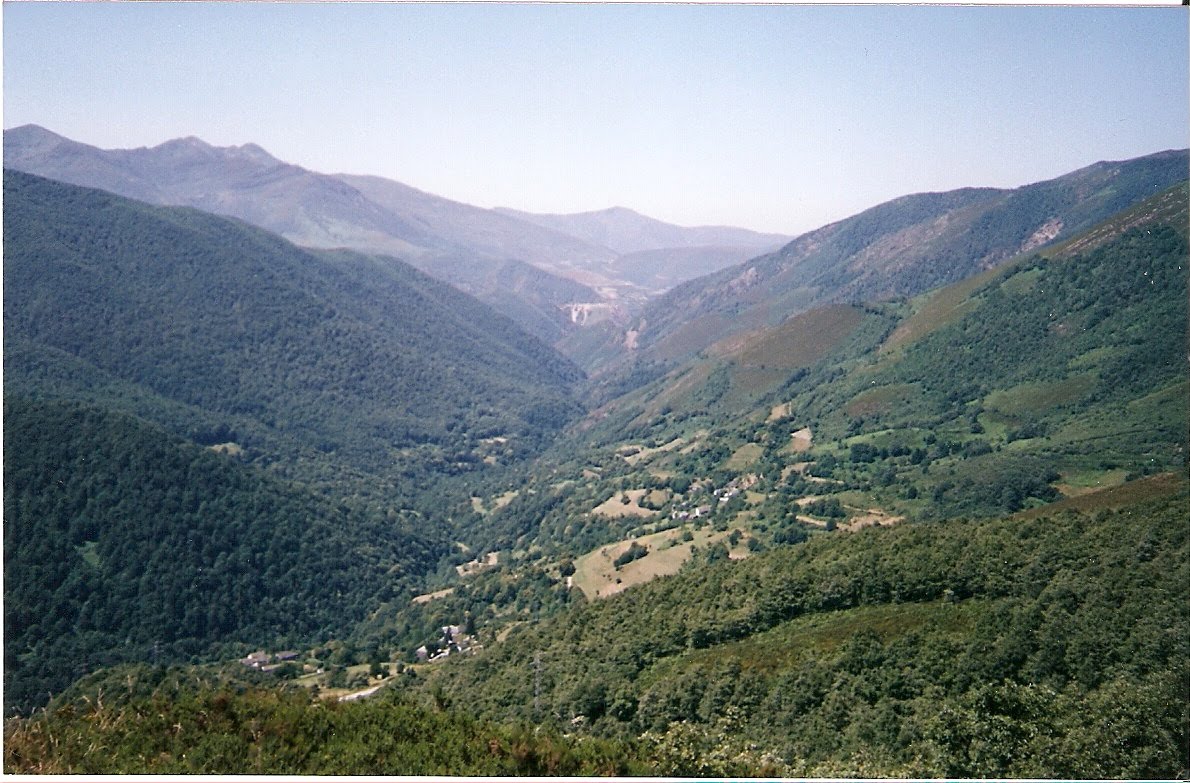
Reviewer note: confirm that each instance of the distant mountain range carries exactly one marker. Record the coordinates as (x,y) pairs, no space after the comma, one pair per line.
(898,249)
(530,267)
(625,231)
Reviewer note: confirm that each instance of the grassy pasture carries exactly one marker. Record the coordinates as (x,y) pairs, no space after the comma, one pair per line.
(596,575)
(798,342)
(799,441)
(1084,481)
(1021,282)
(643,453)
(1095,357)
(615,507)
(744,456)
(1041,396)
(691,337)
(934,310)
(778,412)
(1149,488)
(881,399)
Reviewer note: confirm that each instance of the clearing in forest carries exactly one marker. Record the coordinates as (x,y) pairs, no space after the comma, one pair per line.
(744,456)
(477,504)
(425,598)
(800,441)
(869,518)
(596,575)
(616,507)
(475,566)
(634,454)
(779,412)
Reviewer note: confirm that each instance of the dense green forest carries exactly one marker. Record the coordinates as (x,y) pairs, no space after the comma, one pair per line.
(186,721)
(1051,647)
(123,543)
(1047,647)
(228,333)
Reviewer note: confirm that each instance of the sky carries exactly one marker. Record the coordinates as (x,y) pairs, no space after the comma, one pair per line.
(776,118)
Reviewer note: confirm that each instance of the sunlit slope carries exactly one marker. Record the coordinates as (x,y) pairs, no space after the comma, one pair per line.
(897,249)
(1065,366)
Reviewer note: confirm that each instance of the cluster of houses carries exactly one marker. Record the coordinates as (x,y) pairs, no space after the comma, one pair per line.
(267,662)
(453,641)
(722,495)
(695,513)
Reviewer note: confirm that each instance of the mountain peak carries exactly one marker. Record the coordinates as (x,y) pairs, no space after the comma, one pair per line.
(188,145)
(252,152)
(625,230)
(32,131)
(617,211)
(193,145)
(32,137)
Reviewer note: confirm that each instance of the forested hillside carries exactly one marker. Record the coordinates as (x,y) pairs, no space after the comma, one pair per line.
(124,543)
(901,248)
(216,440)
(521,265)
(186,720)
(1053,647)
(224,333)
(1057,374)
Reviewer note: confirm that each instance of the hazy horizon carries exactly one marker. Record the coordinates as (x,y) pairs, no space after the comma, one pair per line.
(773,118)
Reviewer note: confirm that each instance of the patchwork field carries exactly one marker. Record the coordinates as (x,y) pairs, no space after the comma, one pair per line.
(634,454)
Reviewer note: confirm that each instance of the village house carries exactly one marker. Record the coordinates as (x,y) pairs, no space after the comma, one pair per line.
(267,662)
(452,640)
(257,659)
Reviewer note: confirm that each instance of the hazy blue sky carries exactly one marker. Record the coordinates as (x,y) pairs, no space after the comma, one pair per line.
(770,117)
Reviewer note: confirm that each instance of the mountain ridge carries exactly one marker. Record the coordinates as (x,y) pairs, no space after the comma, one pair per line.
(534,273)
(895,249)
(625,230)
